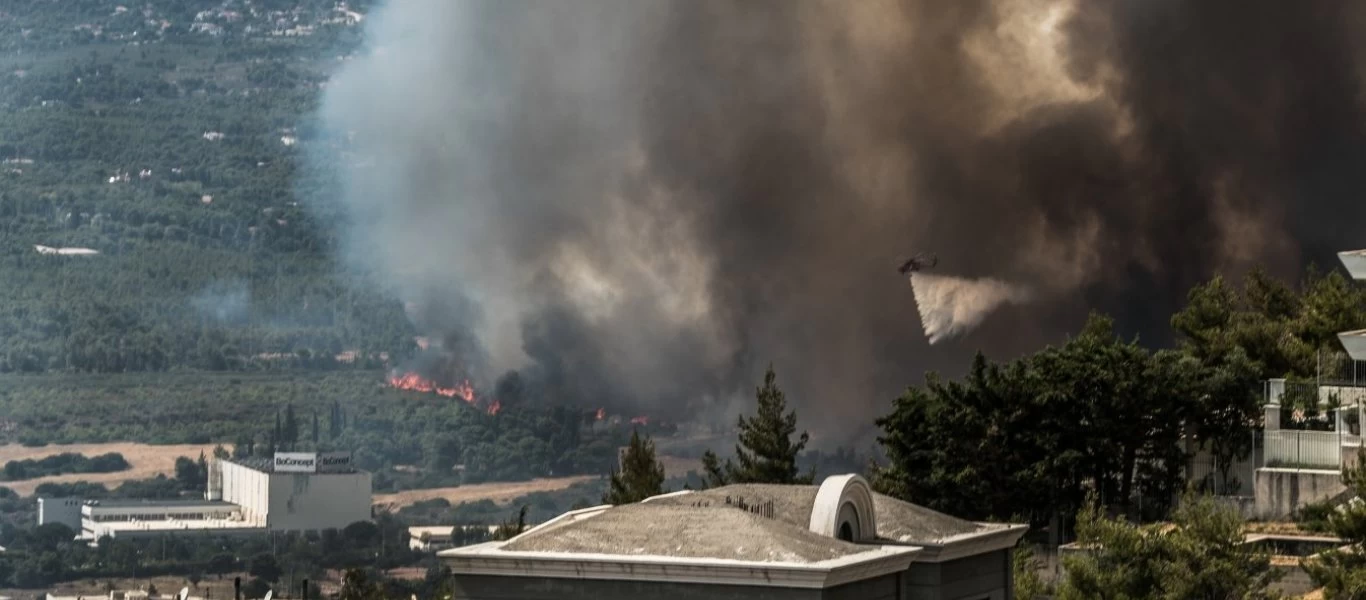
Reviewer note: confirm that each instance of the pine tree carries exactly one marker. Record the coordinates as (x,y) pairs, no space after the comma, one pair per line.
(640,477)
(766,453)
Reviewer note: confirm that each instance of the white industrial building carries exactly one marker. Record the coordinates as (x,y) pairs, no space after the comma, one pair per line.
(296,491)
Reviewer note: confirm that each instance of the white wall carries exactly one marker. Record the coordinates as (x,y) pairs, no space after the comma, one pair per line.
(318,501)
(247,488)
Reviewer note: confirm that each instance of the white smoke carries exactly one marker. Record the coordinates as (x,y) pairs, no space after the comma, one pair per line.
(950,306)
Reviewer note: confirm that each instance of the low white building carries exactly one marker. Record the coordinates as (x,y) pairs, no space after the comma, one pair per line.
(302,491)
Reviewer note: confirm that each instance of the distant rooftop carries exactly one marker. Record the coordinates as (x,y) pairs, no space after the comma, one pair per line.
(264,465)
(170,503)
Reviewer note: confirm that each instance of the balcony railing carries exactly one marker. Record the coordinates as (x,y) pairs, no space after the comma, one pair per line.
(1307,449)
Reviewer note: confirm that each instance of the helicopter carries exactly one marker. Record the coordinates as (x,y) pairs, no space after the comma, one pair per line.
(918,262)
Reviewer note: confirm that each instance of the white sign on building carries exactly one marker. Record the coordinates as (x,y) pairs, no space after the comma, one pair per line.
(296,462)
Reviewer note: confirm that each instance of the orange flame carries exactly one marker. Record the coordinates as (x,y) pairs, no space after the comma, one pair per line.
(495,407)
(602,413)
(413,382)
(640,421)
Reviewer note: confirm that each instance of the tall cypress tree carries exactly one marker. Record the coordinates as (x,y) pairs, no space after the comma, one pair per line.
(315,429)
(766,452)
(275,435)
(289,432)
(640,477)
(336,421)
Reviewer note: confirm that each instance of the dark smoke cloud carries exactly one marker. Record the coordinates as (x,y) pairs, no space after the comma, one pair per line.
(644,202)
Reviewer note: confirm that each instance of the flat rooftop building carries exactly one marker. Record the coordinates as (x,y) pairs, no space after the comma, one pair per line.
(301,491)
(836,540)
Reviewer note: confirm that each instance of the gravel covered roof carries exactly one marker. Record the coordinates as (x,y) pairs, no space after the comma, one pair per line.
(712,524)
(897,520)
(911,523)
(666,529)
(791,503)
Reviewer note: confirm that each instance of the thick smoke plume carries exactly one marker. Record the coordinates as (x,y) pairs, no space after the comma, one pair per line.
(647,201)
(950,306)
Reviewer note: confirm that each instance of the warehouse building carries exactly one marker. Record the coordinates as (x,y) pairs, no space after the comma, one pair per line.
(293,491)
(297,491)
(838,540)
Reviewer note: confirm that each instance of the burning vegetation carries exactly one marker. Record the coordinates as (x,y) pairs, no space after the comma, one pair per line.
(413,381)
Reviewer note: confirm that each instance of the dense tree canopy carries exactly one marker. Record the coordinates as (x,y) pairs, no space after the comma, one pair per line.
(1031,436)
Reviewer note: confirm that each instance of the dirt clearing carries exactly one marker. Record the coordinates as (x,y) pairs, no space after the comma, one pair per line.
(145,461)
(497,492)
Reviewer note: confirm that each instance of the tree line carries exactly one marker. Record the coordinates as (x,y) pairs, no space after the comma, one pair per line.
(1093,426)
(66,462)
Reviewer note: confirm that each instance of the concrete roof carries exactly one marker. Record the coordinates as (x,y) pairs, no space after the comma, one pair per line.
(911,523)
(707,537)
(897,520)
(791,503)
(674,530)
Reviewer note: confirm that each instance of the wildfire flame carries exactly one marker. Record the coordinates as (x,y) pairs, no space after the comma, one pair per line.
(495,407)
(602,413)
(413,382)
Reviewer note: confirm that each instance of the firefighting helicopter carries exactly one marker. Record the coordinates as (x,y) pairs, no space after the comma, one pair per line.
(918,262)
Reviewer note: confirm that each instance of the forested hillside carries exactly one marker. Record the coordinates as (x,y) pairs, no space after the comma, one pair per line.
(168,137)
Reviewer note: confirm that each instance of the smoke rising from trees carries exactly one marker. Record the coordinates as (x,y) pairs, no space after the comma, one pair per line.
(645,201)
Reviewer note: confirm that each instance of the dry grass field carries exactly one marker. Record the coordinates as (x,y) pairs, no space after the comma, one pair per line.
(497,492)
(146,461)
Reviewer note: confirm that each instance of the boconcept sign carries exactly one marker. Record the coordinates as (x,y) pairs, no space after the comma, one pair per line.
(312,462)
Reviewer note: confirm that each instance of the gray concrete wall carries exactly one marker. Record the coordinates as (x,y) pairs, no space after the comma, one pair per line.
(1280,492)
(879,588)
(304,501)
(491,587)
(66,511)
(981,577)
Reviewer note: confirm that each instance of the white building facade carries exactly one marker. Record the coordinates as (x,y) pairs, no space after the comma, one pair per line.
(295,492)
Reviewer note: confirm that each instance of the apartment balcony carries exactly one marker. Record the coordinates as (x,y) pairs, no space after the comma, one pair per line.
(1328,439)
